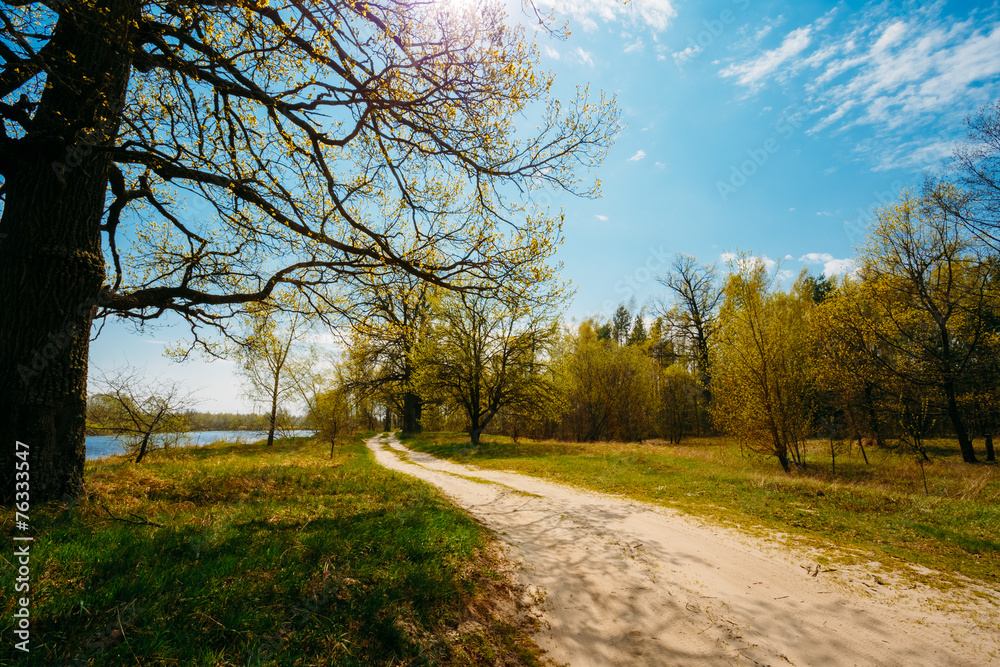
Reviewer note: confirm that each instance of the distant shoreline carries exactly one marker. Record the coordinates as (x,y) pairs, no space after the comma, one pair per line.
(103,445)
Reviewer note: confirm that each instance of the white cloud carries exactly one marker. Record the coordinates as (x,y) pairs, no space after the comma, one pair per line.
(816,257)
(892,35)
(839,267)
(900,71)
(328,339)
(748,261)
(585,57)
(908,155)
(839,113)
(639,154)
(681,57)
(637,45)
(825,214)
(602,218)
(655,14)
(551,53)
(763,32)
(789,257)
(750,36)
(660,165)
(831,265)
(753,73)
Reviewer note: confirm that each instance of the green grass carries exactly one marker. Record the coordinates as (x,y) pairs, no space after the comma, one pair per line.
(881,508)
(264,556)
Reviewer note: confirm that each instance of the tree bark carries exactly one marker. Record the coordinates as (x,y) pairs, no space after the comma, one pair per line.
(782,455)
(51,262)
(862,446)
(964,442)
(411,413)
(142,448)
(274,412)
(990,455)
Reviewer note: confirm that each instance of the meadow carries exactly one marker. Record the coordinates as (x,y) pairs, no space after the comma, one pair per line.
(240,554)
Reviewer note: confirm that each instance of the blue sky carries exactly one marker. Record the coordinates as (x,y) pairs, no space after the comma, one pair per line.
(769,127)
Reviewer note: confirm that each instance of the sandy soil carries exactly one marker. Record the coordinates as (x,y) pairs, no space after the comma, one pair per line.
(628,583)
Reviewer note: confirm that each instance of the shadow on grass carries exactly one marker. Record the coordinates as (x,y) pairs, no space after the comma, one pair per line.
(256,563)
(296,582)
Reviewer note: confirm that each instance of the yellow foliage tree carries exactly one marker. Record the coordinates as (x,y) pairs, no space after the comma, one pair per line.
(762,367)
(484,355)
(928,283)
(847,368)
(194,157)
(265,358)
(609,388)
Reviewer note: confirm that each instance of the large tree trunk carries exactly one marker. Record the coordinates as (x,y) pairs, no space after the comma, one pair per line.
(51,263)
(411,413)
(782,454)
(990,455)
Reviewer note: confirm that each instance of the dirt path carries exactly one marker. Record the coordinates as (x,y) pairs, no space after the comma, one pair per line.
(627,583)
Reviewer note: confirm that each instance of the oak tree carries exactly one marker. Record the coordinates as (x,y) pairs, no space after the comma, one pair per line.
(190,157)
(856,385)
(392,313)
(486,354)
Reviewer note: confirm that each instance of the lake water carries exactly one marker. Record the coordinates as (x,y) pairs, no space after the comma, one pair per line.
(99,446)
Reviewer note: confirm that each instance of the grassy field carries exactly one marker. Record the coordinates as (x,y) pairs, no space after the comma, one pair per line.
(953,527)
(247,555)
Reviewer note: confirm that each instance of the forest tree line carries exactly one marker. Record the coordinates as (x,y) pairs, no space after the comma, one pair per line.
(904,347)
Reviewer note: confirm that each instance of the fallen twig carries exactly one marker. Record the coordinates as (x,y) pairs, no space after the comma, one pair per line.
(138,521)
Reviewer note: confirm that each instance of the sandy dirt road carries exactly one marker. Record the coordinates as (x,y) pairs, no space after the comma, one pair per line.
(628,583)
